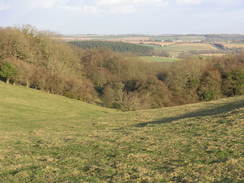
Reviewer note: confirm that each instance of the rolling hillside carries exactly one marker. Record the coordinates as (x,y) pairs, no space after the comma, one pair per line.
(49,138)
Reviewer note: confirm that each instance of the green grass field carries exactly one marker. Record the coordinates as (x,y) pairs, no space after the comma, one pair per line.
(159,59)
(49,138)
(180,47)
(179,37)
(177,48)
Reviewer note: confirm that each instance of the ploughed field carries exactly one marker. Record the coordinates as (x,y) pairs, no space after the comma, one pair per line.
(50,138)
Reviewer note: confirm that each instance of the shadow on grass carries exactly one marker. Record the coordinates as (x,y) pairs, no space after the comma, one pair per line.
(199,113)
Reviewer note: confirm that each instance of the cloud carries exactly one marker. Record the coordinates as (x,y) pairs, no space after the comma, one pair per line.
(188,1)
(127,6)
(127,2)
(85,9)
(83,6)
(27,4)
(42,3)
(126,16)
(4,6)
(122,10)
(214,3)
(105,6)
(99,5)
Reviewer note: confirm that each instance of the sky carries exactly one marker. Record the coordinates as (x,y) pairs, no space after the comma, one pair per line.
(126,16)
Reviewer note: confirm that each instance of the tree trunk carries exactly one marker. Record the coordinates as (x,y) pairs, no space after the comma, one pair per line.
(27,84)
(7,80)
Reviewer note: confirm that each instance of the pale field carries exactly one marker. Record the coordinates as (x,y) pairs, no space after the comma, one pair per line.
(234,45)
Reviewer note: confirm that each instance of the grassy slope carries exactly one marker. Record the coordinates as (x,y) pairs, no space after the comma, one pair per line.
(48,138)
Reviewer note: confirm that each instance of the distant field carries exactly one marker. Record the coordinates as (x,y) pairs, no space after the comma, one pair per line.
(174,49)
(234,45)
(158,38)
(179,37)
(190,46)
(213,55)
(178,48)
(48,138)
(174,45)
(159,59)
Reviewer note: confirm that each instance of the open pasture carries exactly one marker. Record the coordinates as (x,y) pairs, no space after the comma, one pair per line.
(49,138)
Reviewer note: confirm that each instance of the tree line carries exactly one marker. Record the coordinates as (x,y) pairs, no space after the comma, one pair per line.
(111,79)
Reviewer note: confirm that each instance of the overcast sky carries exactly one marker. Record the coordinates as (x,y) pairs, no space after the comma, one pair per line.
(126,16)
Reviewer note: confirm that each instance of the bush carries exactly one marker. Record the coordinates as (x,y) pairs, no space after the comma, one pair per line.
(7,71)
(210,86)
(233,83)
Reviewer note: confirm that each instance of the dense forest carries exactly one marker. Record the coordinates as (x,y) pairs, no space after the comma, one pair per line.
(121,47)
(111,79)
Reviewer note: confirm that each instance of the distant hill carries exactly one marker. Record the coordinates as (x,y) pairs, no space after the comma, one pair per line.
(164,37)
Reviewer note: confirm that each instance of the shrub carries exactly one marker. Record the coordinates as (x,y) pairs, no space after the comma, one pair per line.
(7,71)
(210,86)
(233,83)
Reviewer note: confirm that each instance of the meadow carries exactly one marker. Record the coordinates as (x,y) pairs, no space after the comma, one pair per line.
(50,138)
